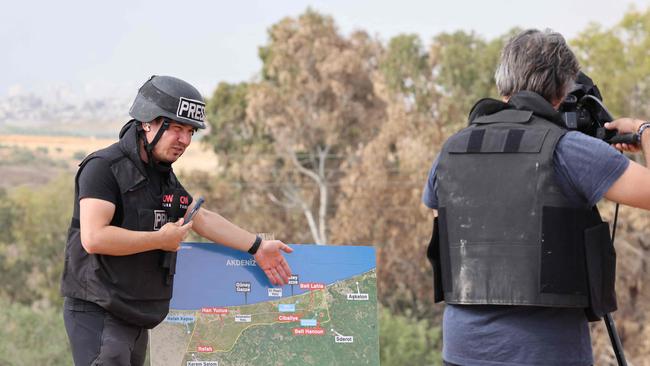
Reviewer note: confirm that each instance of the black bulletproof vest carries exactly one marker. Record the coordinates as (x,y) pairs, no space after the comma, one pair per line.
(505,234)
(136,288)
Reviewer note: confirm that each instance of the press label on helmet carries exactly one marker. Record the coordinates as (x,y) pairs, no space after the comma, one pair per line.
(191,109)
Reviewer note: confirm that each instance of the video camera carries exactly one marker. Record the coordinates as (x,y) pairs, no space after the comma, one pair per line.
(584,111)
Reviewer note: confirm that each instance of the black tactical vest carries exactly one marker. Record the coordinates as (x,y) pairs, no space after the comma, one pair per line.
(505,233)
(136,288)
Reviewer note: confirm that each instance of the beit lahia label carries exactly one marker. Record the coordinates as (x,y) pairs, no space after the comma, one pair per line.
(226,312)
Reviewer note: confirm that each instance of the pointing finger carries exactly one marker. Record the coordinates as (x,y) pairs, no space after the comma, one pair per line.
(286,267)
(282,273)
(276,275)
(268,274)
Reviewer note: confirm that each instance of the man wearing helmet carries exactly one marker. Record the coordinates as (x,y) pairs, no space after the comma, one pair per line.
(128,222)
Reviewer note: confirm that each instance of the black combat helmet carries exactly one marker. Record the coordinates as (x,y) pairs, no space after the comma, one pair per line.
(170,97)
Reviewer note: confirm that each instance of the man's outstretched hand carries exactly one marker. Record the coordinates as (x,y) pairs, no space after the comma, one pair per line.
(269,257)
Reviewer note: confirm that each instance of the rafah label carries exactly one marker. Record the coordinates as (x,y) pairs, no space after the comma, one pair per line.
(191,109)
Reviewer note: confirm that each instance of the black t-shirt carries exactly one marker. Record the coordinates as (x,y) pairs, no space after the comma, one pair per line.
(97,181)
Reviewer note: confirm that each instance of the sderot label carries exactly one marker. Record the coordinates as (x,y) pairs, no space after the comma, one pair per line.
(343,339)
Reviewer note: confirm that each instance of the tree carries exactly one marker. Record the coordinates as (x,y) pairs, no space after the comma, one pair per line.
(618,60)
(231,134)
(404,340)
(428,95)
(407,73)
(382,186)
(318,103)
(464,65)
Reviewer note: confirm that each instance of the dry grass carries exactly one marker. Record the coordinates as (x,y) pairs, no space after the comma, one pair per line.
(68,149)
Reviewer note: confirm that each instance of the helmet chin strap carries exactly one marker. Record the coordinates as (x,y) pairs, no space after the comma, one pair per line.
(149,146)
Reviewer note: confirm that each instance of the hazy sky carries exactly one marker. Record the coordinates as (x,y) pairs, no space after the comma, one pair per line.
(97,48)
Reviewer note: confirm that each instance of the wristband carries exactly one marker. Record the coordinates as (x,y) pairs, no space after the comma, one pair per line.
(256,245)
(642,128)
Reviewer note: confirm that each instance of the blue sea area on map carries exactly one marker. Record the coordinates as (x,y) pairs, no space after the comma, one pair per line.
(206,273)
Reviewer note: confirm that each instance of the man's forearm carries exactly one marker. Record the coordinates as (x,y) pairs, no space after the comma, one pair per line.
(113,240)
(216,228)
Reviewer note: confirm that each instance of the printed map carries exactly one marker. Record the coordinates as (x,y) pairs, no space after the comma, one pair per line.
(225,312)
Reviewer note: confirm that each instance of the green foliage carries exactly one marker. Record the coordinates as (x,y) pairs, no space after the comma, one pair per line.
(231,132)
(464,64)
(406,70)
(404,340)
(311,20)
(29,337)
(79,155)
(6,216)
(31,248)
(17,155)
(618,60)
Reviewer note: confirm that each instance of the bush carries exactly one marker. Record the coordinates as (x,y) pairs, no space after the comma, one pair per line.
(407,341)
(79,155)
(29,337)
(34,226)
(18,155)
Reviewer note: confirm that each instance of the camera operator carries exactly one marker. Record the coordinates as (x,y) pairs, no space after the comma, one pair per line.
(519,252)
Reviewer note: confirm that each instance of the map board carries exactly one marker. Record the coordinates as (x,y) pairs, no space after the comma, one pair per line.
(225,312)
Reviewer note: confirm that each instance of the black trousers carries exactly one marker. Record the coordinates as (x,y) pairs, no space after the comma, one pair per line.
(98,338)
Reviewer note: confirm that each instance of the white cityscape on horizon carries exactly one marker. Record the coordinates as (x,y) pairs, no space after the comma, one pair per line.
(90,109)
(58,109)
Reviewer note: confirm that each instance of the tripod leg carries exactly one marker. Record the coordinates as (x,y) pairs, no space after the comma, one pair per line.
(613,337)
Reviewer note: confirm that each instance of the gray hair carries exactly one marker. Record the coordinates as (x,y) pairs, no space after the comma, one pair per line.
(537,61)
